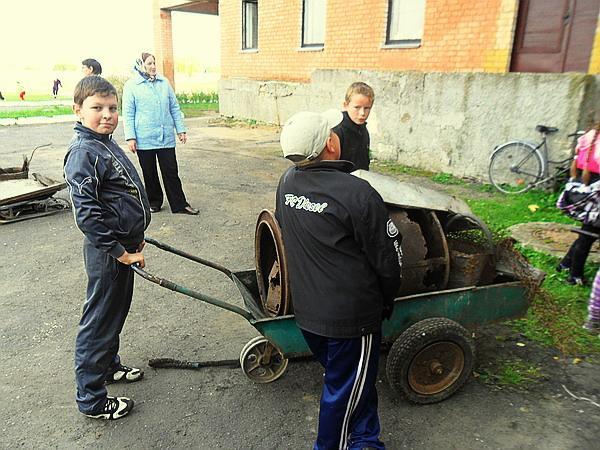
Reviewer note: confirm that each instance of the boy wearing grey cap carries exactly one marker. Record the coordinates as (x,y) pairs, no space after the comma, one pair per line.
(344,261)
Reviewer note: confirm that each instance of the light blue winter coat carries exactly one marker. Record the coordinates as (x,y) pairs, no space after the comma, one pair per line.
(151,112)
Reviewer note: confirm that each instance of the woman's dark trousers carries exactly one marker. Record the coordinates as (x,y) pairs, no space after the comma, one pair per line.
(579,251)
(170,175)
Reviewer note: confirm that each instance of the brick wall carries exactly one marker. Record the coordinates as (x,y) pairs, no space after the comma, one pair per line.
(163,42)
(459,36)
(595,57)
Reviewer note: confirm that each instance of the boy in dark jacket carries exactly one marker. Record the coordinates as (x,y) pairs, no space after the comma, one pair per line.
(354,137)
(112,211)
(344,260)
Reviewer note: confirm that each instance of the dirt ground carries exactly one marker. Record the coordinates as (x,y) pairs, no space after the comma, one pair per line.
(231,175)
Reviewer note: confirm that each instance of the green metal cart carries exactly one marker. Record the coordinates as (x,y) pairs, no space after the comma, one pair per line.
(431,354)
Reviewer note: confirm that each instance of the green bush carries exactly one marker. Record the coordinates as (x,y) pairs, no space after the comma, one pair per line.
(118,82)
(197,98)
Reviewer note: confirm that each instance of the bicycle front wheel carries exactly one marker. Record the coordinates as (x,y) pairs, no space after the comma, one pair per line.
(515,167)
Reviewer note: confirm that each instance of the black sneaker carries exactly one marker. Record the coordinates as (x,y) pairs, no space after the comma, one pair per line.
(113,409)
(124,374)
(561,267)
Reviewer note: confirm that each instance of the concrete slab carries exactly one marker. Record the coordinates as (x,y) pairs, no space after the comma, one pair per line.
(550,237)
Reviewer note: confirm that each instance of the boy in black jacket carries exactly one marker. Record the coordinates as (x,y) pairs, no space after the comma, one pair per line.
(344,260)
(355,141)
(112,211)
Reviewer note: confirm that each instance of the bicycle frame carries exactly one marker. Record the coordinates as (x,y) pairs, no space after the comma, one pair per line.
(546,161)
(540,151)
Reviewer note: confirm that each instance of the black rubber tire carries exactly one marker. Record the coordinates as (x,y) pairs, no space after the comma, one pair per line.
(521,154)
(439,332)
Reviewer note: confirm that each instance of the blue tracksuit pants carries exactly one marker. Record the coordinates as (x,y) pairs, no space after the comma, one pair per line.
(109,292)
(348,411)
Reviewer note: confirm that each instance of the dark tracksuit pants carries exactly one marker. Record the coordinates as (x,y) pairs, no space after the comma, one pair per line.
(579,251)
(167,161)
(109,292)
(348,410)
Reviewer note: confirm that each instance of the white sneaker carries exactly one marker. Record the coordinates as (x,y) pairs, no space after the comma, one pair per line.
(124,374)
(114,408)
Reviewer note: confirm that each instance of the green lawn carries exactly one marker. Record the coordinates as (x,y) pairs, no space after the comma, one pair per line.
(189,110)
(198,109)
(47,111)
(558,311)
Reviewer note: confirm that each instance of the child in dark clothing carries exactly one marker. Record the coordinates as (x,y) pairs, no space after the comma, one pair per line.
(353,133)
(112,211)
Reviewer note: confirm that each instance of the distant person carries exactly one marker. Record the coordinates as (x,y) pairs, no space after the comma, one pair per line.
(151,115)
(21,90)
(1,96)
(90,67)
(112,211)
(55,85)
(353,133)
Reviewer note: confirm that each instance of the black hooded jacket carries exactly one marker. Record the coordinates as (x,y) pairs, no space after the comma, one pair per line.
(109,200)
(343,251)
(354,141)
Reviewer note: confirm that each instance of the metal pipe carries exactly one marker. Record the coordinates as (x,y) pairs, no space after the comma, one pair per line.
(197,259)
(191,293)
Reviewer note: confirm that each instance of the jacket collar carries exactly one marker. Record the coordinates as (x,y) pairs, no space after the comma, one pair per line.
(85,131)
(140,79)
(347,121)
(339,165)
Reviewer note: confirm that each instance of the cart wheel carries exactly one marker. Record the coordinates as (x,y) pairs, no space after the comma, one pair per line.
(261,361)
(431,360)
(249,344)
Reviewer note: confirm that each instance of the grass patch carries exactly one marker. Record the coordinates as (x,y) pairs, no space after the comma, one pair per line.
(238,123)
(198,109)
(515,373)
(446,178)
(47,111)
(195,104)
(558,311)
(390,168)
(533,206)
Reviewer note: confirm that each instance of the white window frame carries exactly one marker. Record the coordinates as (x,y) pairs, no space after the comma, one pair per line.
(406,22)
(313,23)
(249,25)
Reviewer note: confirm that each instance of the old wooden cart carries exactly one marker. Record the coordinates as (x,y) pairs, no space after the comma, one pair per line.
(24,197)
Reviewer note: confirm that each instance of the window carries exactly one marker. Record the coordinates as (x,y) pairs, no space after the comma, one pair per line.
(405,22)
(313,23)
(249,24)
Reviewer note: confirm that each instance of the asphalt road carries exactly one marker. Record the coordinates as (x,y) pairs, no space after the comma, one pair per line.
(231,175)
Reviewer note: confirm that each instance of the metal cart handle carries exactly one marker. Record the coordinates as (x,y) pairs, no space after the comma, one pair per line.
(186,291)
(197,259)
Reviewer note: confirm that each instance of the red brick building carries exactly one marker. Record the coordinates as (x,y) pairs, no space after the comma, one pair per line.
(287,39)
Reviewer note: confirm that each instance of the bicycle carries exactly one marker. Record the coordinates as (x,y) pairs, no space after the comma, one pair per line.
(518,166)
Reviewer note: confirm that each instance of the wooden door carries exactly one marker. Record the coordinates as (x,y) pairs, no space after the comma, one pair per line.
(554,35)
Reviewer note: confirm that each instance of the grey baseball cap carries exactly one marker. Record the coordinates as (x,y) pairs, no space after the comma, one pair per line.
(305,134)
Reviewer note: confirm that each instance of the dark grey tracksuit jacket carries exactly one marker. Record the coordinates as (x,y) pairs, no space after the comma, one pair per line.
(342,250)
(112,211)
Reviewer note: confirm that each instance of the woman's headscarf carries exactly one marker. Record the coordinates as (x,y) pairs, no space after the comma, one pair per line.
(141,69)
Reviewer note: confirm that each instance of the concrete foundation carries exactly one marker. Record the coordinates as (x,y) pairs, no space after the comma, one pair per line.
(443,122)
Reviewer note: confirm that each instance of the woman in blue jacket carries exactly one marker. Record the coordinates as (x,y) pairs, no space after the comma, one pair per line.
(152,116)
